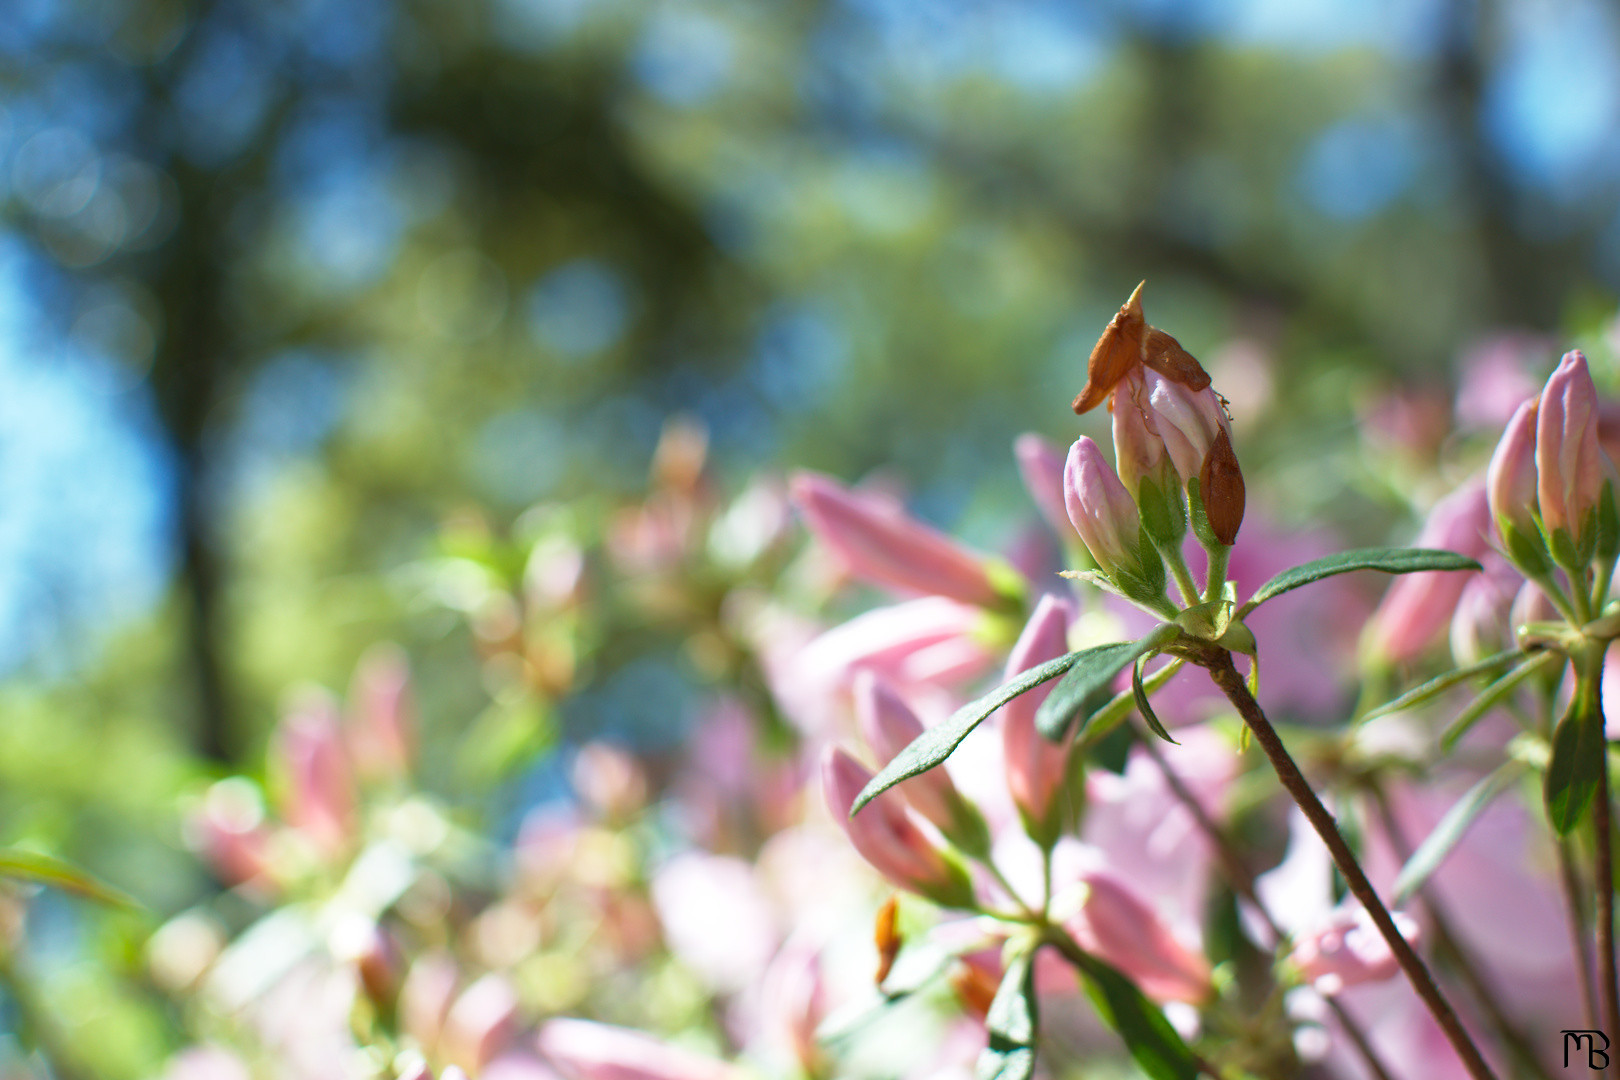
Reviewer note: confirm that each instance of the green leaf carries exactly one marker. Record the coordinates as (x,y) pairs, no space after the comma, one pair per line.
(1493,695)
(1085,689)
(1607,527)
(1139,695)
(1385,560)
(1578,756)
(938,742)
(1450,829)
(1153,1043)
(1107,718)
(46,870)
(1012,1023)
(1440,684)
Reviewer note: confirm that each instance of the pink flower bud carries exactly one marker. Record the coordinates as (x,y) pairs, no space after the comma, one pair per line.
(228,830)
(1569,466)
(1036,767)
(885,835)
(1417,606)
(380,728)
(1041,465)
(1510,481)
(884,545)
(1188,421)
(1138,450)
(888,725)
(1348,950)
(584,1050)
(892,641)
(1480,625)
(1121,928)
(1101,510)
(481,1023)
(318,779)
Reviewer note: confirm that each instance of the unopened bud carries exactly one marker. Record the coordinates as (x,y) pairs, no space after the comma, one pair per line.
(1417,606)
(318,777)
(1036,766)
(1041,466)
(1221,489)
(1510,480)
(1569,465)
(1121,928)
(887,838)
(586,1050)
(889,726)
(1105,516)
(881,543)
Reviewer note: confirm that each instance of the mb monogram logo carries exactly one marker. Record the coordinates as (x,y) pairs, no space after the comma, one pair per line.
(1597,1057)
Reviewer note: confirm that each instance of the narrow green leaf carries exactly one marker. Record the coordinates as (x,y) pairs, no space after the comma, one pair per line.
(1086,688)
(1451,828)
(1139,695)
(1107,718)
(938,742)
(1385,560)
(1573,774)
(1440,684)
(1493,695)
(1012,1023)
(1153,1043)
(46,870)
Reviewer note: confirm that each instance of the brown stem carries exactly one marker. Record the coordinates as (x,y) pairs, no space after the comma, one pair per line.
(1451,951)
(1242,881)
(1573,890)
(1226,677)
(1604,880)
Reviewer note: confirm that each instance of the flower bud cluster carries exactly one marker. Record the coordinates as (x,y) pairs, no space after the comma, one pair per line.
(1172,452)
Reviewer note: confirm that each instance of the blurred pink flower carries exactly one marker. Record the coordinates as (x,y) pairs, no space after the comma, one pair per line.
(889,725)
(888,547)
(1345,949)
(1498,373)
(887,837)
(584,1050)
(1040,463)
(380,731)
(1036,767)
(1113,921)
(1480,626)
(481,1023)
(308,752)
(1417,606)
(206,1063)
(716,918)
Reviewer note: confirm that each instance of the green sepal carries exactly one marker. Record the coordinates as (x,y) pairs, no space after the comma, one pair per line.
(1149,717)
(1564,551)
(1164,513)
(1606,529)
(1239,639)
(1526,550)
(955,890)
(1579,754)
(1143,582)
(1198,517)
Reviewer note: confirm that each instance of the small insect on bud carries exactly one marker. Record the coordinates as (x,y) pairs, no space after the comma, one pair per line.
(1116,353)
(1220,484)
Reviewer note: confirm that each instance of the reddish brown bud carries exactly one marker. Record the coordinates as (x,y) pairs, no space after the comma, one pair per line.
(1115,354)
(1220,483)
(886,935)
(975,987)
(1164,354)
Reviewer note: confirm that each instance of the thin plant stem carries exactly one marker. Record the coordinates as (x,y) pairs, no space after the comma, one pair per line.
(1451,951)
(1570,878)
(1242,881)
(1604,880)
(1215,576)
(1183,576)
(1219,664)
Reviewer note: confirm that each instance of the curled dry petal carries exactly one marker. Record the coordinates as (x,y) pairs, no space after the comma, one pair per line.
(1116,353)
(1164,354)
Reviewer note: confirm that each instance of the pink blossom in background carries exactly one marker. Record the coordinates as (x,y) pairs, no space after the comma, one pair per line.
(1499,372)
(889,548)
(1040,464)
(1417,606)
(206,1063)
(318,795)
(1346,949)
(585,1050)
(1035,765)
(381,728)
(716,918)
(1112,920)
(482,1021)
